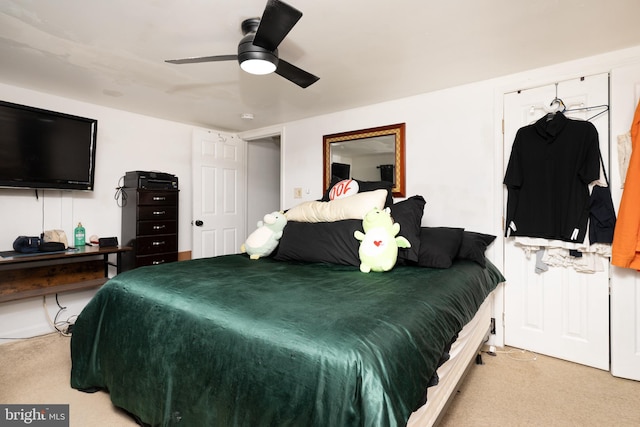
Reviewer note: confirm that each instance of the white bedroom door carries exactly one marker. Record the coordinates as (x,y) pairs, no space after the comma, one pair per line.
(560,312)
(219,193)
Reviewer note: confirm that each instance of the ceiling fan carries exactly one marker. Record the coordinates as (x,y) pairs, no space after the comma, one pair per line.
(258,49)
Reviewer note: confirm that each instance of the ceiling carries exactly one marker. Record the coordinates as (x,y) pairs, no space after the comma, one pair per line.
(112,52)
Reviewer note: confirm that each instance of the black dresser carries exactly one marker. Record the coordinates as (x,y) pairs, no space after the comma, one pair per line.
(150,219)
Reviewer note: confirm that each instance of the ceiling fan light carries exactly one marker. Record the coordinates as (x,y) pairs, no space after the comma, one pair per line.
(258,66)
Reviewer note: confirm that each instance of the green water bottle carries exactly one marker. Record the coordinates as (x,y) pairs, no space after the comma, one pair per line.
(79,236)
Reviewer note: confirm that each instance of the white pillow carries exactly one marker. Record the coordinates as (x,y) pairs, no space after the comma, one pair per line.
(352,207)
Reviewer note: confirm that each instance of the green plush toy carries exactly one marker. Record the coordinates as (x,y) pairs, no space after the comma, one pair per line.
(379,244)
(266,237)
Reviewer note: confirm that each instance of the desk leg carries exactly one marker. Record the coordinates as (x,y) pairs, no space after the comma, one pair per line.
(117,265)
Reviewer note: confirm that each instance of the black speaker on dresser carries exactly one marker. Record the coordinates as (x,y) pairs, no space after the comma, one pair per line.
(150,219)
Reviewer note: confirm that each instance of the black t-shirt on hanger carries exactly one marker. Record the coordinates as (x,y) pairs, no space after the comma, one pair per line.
(551,165)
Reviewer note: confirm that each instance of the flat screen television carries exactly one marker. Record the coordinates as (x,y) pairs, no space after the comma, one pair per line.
(46,149)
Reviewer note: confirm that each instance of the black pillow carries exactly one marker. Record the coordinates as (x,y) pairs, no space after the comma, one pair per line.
(439,246)
(331,242)
(408,213)
(362,187)
(474,246)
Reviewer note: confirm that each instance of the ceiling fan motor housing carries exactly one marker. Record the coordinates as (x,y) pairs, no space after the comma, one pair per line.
(247,50)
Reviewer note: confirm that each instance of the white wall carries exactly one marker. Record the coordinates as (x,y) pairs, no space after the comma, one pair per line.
(449,152)
(125,142)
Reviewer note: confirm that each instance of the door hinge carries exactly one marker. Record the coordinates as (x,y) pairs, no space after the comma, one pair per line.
(493,326)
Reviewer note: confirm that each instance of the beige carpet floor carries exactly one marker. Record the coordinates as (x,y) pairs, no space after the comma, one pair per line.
(514,388)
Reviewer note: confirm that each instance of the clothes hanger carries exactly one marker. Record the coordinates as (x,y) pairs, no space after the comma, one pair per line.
(555,106)
(605,108)
(563,108)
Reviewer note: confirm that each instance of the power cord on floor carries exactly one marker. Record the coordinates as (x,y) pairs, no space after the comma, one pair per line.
(524,355)
(59,325)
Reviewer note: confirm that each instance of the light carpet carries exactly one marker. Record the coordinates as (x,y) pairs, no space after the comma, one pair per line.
(513,388)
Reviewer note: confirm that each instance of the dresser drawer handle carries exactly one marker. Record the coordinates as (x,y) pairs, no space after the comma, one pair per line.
(157,243)
(159,198)
(159,227)
(158,262)
(159,212)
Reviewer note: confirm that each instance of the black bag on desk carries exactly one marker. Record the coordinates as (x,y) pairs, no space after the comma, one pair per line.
(25,244)
(51,247)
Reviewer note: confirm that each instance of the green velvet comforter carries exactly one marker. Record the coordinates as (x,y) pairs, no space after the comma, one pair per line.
(230,341)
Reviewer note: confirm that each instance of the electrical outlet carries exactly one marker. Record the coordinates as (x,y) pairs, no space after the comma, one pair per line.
(297,193)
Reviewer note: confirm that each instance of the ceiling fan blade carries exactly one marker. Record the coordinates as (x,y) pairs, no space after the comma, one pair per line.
(295,74)
(203,59)
(277,20)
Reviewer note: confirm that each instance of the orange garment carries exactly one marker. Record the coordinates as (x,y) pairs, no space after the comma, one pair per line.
(625,249)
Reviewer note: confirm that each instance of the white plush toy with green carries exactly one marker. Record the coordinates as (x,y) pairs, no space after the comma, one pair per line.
(265,238)
(379,244)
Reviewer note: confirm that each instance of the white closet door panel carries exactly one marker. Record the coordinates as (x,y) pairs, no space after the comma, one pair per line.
(625,283)
(560,312)
(625,324)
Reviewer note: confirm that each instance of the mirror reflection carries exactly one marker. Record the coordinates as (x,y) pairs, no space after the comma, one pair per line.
(375,154)
(367,159)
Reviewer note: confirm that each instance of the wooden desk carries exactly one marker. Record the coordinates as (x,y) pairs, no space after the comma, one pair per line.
(50,273)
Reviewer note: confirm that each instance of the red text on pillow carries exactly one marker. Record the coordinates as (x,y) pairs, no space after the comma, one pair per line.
(344,188)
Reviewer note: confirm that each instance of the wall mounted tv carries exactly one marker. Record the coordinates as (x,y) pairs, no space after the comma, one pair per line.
(46,149)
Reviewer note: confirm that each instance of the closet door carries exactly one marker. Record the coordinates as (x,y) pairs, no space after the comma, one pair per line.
(625,283)
(561,312)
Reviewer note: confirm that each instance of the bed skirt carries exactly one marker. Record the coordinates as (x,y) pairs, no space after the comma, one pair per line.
(462,356)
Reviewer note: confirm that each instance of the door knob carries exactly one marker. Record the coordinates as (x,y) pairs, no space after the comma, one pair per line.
(199,223)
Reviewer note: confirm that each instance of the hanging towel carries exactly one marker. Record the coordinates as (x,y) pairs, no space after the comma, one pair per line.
(624,153)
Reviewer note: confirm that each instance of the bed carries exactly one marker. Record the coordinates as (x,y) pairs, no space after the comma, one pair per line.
(231,341)
(301,338)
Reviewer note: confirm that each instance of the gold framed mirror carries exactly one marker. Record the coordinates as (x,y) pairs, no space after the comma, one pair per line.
(374,154)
